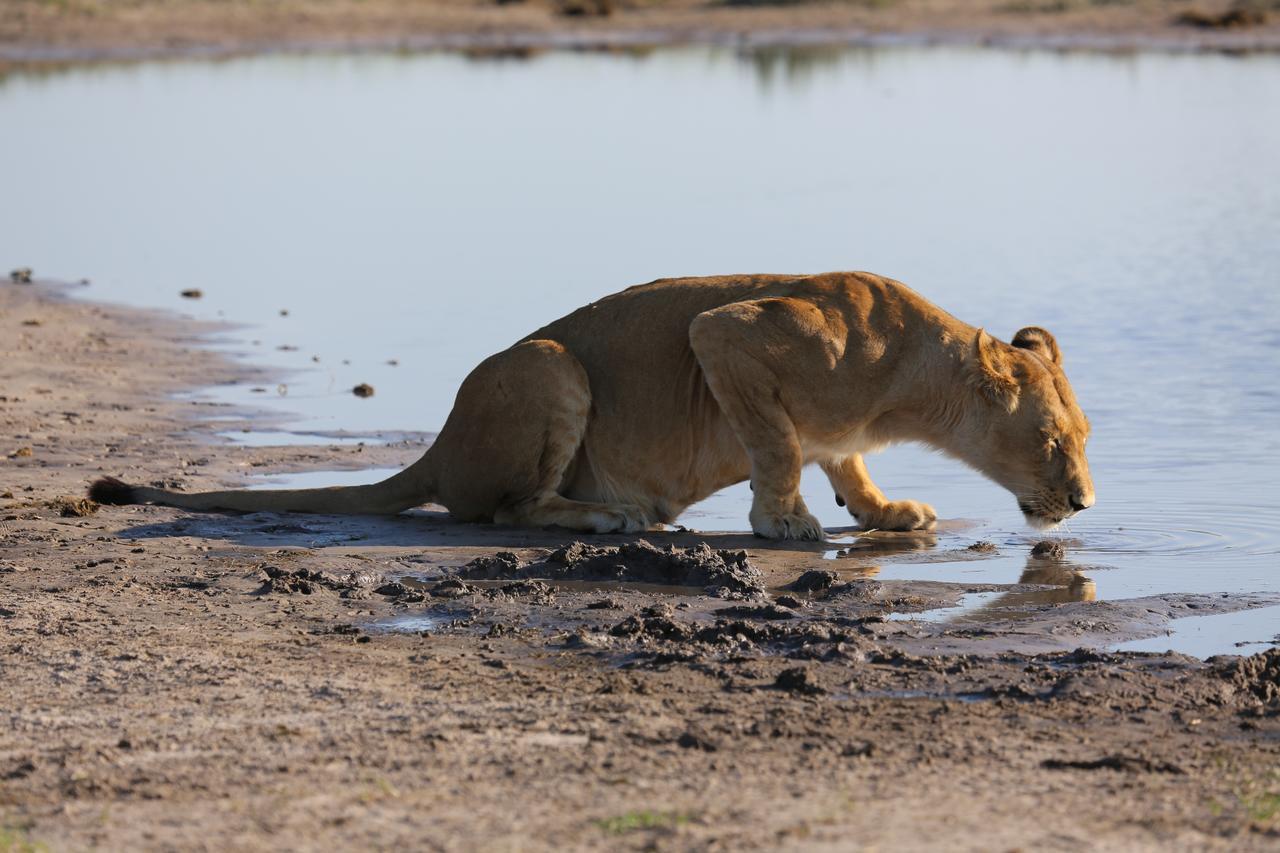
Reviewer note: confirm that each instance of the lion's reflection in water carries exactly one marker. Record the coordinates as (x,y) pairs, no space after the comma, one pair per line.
(1051,583)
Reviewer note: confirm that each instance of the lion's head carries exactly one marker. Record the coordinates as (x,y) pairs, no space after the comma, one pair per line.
(1035,437)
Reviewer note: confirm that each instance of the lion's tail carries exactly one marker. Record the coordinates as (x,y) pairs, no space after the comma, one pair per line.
(411,487)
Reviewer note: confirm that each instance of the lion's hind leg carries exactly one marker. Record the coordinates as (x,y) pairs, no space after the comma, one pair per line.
(510,442)
(553,510)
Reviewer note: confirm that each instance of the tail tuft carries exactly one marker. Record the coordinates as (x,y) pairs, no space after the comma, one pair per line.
(109,490)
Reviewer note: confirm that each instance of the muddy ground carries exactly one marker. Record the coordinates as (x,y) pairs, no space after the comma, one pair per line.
(42,32)
(182,681)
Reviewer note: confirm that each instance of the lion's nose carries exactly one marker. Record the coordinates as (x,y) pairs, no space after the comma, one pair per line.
(1081,502)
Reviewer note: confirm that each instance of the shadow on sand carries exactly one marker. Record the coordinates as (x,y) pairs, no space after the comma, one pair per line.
(430,529)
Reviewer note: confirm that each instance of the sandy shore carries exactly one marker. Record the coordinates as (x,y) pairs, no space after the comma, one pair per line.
(40,32)
(188,681)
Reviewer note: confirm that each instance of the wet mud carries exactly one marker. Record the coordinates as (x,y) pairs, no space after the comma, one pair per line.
(723,574)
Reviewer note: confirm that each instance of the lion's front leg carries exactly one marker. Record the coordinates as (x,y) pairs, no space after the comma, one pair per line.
(747,387)
(868,504)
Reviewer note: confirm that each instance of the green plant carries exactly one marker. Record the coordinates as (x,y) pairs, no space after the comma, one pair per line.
(15,839)
(632,821)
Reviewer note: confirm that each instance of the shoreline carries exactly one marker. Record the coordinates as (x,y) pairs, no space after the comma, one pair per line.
(523,44)
(181,679)
(40,36)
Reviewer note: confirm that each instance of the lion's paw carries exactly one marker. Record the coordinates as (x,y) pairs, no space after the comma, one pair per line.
(899,515)
(789,525)
(622,518)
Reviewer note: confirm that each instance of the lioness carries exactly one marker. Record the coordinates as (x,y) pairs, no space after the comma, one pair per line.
(623,413)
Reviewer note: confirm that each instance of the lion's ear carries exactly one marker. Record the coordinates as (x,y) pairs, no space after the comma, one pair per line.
(992,371)
(1039,341)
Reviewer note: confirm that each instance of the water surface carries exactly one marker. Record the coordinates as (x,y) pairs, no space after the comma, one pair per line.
(432,209)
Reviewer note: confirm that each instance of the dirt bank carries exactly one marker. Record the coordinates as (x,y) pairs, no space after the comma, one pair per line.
(42,32)
(188,681)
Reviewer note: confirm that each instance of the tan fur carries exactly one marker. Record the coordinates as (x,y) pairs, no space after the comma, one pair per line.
(623,413)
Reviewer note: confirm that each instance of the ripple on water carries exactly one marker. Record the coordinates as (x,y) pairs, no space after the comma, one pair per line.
(1217,529)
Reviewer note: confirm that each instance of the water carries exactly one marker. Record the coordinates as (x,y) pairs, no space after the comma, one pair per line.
(963,609)
(432,209)
(1241,633)
(279,438)
(321,479)
(409,623)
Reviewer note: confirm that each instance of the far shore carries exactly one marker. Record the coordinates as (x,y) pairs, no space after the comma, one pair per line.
(43,34)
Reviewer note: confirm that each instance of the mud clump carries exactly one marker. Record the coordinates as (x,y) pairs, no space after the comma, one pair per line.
(652,628)
(532,592)
(69,507)
(585,8)
(21,770)
(769,612)
(452,588)
(983,547)
(698,741)
(1047,549)
(725,574)
(290,581)
(400,592)
(681,641)
(1258,675)
(1122,763)
(1235,17)
(192,293)
(798,680)
(859,589)
(814,580)
(363,390)
(308,581)
(503,564)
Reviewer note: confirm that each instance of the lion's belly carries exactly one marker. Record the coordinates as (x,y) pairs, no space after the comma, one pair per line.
(829,448)
(661,471)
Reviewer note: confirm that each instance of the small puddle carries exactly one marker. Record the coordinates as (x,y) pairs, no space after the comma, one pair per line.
(1206,636)
(968,603)
(415,623)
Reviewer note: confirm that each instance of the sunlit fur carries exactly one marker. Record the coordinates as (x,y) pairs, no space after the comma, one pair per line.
(621,414)
(1036,445)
